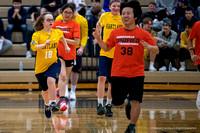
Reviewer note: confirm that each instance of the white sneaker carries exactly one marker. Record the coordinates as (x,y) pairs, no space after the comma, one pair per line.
(174,69)
(164,68)
(72,95)
(152,68)
(182,68)
(198,100)
(28,54)
(23,44)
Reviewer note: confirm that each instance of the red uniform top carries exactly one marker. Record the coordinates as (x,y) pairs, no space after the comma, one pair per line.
(196,34)
(70,30)
(128,56)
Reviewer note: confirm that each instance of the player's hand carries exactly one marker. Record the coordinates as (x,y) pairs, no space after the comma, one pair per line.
(79,51)
(67,49)
(145,44)
(195,57)
(47,42)
(97,31)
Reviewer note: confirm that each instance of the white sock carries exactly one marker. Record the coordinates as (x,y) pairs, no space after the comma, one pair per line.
(50,101)
(100,101)
(73,88)
(109,101)
(66,91)
(151,64)
(47,104)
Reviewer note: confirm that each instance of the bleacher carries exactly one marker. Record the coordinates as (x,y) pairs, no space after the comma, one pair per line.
(12,78)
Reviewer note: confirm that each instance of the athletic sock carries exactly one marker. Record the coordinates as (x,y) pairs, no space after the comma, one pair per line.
(100,101)
(73,88)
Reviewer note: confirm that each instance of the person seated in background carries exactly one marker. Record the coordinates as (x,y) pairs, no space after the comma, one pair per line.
(151,12)
(16,20)
(80,6)
(166,8)
(180,10)
(146,25)
(183,51)
(166,44)
(94,3)
(52,6)
(196,5)
(188,19)
(93,49)
(4,43)
(34,14)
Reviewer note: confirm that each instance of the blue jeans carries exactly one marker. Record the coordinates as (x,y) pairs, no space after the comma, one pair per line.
(11,28)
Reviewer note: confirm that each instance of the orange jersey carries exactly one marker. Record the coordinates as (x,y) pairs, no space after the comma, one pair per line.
(128,56)
(70,30)
(196,34)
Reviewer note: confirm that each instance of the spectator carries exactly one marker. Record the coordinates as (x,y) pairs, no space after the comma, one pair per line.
(146,25)
(93,49)
(30,30)
(151,12)
(166,45)
(5,44)
(94,3)
(52,6)
(196,5)
(183,51)
(180,10)
(188,19)
(16,20)
(80,6)
(165,8)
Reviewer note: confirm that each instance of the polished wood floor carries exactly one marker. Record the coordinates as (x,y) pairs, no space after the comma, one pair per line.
(162,112)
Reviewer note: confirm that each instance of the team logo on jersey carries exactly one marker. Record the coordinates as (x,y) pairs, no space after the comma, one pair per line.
(33,42)
(64,29)
(127,40)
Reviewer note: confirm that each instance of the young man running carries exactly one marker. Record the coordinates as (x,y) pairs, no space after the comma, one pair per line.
(128,64)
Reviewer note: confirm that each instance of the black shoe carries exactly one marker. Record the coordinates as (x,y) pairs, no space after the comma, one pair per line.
(100,110)
(54,107)
(130,129)
(109,112)
(47,111)
(128,108)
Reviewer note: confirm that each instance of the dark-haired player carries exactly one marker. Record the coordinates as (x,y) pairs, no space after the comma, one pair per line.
(128,65)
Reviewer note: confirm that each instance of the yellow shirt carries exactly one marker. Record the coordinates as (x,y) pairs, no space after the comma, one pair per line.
(109,22)
(184,40)
(47,56)
(83,25)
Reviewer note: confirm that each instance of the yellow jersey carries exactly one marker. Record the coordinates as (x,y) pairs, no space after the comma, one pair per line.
(109,22)
(83,25)
(46,56)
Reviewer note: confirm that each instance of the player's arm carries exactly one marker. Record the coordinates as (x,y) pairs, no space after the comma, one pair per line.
(97,36)
(74,42)
(34,43)
(191,50)
(153,49)
(67,49)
